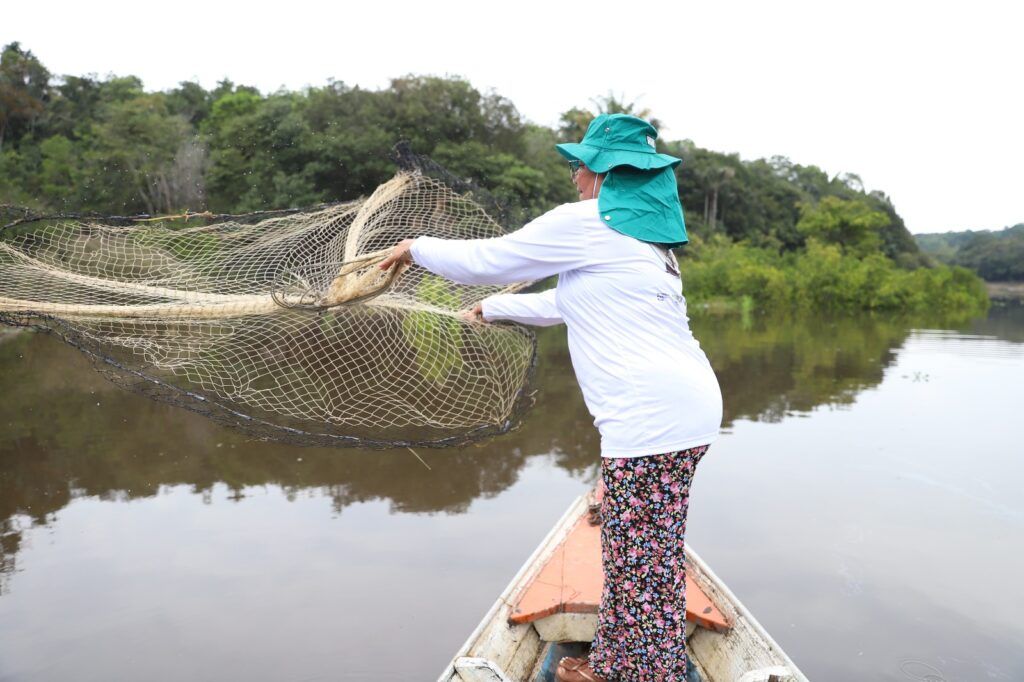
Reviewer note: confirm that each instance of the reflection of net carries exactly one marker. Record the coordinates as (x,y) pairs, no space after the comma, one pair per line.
(284,326)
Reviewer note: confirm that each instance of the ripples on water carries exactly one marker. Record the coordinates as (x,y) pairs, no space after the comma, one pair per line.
(963,345)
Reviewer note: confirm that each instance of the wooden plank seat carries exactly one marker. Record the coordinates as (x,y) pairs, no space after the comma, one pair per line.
(562,599)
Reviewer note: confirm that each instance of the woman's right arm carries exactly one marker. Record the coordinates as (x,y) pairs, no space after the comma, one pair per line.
(551,244)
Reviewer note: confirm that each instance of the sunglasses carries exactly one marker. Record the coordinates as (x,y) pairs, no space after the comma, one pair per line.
(574,168)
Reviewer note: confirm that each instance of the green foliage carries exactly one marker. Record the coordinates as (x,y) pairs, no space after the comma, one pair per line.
(23,90)
(511,181)
(259,153)
(191,101)
(131,154)
(436,339)
(808,239)
(15,180)
(823,277)
(995,256)
(436,291)
(194,247)
(574,122)
(60,172)
(850,224)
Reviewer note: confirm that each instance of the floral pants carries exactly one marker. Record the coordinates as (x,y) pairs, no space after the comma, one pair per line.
(640,633)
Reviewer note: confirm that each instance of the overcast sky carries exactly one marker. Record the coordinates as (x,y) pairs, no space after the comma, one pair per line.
(923,100)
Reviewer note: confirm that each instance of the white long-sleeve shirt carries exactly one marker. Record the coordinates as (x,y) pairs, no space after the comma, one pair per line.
(644,377)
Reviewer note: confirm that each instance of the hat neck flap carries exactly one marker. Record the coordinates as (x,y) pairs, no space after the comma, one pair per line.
(643,204)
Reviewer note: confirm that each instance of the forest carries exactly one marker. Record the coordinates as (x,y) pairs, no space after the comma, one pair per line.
(767,233)
(998,256)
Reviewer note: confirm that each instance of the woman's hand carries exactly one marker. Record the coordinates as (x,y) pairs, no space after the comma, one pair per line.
(474,314)
(399,254)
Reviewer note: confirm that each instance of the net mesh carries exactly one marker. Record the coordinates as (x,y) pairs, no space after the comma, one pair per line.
(283,325)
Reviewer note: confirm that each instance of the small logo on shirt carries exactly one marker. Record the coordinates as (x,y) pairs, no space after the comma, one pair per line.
(678,298)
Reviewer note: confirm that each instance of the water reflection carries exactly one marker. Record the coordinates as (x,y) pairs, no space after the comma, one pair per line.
(771,367)
(68,433)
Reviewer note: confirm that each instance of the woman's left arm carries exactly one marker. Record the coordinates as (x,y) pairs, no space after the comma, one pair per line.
(551,244)
(539,310)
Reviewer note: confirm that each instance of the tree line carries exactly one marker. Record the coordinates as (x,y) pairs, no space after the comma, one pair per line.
(73,143)
(998,256)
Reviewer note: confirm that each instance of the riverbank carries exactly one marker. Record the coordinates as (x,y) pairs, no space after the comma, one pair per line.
(1005,291)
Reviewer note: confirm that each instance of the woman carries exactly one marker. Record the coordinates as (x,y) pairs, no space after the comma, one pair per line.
(645,379)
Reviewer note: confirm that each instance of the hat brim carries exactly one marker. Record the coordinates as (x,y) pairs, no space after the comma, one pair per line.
(603,160)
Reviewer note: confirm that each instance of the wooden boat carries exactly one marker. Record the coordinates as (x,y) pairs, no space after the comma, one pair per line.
(549,610)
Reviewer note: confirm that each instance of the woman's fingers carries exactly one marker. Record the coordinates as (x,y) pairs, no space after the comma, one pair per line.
(474,314)
(399,254)
(391,260)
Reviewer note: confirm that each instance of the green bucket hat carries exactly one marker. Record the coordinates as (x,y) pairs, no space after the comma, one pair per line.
(639,196)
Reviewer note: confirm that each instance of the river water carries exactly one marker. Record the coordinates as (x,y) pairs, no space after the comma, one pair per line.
(864,502)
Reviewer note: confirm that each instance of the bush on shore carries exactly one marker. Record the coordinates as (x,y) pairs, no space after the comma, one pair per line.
(719,274)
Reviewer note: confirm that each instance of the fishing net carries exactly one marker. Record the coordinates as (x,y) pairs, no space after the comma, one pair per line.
(281,323)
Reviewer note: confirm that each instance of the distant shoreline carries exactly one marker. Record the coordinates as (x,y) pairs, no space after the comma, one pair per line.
(1005,291)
